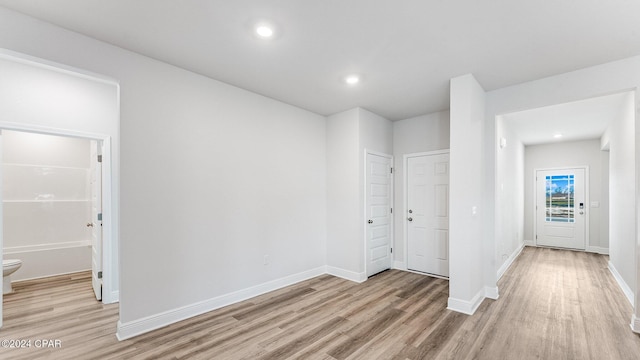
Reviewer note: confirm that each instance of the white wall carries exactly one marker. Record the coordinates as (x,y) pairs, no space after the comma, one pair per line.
(622,182)
(510,194)
(213,179)
(419,134)
(343,203)
(466,285)
(571,154)
(46,203)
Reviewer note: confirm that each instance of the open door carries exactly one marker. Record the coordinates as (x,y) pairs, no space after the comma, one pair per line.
(379,192)
(96,217)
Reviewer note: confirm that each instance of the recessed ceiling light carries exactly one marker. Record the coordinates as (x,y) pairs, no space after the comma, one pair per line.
(557,136)
(352,79)
(264,31)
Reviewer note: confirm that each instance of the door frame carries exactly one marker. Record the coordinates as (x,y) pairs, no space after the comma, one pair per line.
(109,232)
(405,205)
(364,208)
(587,220)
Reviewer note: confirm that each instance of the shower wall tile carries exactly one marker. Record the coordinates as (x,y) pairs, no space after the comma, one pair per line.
(28,183)
(49,222)
(44,150)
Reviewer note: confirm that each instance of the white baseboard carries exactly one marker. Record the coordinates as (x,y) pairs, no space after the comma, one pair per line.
(597,250)
(529,243)
(623,285)
(400,265)
(491,292)
(115,297)
(503,269)
(140,326)
(635,324)
(464,306)
(346,274)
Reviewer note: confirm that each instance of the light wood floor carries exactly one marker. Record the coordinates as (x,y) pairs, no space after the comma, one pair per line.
(553,305)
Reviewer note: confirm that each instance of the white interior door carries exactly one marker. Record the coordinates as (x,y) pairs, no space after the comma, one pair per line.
(561,207)
(96,218)
(428,214)
(378,208)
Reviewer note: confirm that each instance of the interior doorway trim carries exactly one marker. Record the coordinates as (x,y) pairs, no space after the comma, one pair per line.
(108,213)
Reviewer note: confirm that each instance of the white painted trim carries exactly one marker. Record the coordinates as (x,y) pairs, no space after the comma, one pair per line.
(503,269)
(405,194)
(55,66)
(364,212)
(45,247)
(635,324)
(464,306)
(598,250)
(491,292)
(623,285)
(400,265)
(346,274)
(153,322)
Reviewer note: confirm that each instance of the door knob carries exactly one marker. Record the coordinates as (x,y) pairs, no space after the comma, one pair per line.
(370,221)
(89,224)
(410,219)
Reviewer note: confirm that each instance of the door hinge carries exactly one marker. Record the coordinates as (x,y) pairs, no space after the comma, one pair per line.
(392,210)
(99,216)
(392,250)
(99,274)
(99,158)
(391,170)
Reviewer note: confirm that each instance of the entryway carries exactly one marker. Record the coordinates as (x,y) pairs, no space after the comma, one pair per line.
(561,208)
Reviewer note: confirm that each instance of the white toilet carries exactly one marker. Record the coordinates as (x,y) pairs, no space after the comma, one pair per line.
(9,266)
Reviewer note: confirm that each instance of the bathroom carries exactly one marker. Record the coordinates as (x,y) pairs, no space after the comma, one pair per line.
(47,205)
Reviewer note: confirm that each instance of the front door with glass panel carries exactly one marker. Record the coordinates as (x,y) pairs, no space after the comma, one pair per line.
(561,208)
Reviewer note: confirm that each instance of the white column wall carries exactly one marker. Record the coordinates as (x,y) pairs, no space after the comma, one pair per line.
(344,252)
(467,251)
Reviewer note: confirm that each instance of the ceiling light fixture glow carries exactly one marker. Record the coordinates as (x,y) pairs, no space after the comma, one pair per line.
(264,31)
(557,136)
(352,79)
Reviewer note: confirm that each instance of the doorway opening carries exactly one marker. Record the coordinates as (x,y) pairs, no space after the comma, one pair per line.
(51,197)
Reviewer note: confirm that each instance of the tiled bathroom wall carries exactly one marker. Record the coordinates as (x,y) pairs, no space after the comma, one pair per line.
(46,203)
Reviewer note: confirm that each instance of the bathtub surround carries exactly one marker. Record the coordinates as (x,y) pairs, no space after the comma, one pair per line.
(46,203)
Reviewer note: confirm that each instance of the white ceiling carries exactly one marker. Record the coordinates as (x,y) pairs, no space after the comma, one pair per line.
(578,120)
(406,50)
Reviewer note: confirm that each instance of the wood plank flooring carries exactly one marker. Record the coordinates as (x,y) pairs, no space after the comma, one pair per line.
(553,304)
